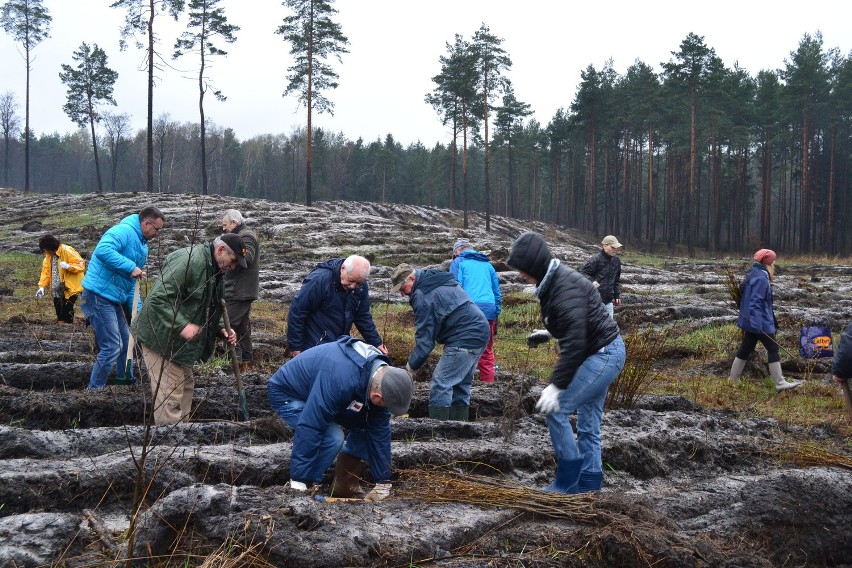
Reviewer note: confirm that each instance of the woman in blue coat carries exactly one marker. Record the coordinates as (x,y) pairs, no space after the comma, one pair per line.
(757,320)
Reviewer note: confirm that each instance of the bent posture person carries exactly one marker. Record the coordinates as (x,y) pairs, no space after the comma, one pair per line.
(591,356)
(444,313)
(474,272)
(62,273)
(181,319)
(334,296)
(108,286)
(242,286)
(349,385)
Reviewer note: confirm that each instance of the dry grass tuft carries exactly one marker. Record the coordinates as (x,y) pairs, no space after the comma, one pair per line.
(638,375)
(807,454)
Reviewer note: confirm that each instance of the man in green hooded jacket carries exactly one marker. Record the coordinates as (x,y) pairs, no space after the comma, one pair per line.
(181,319)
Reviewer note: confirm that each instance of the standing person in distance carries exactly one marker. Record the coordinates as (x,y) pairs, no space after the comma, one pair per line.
(591,356)
(604,270)
(242,285)
(115,266)
(473,270)
(61,273)
(757,320)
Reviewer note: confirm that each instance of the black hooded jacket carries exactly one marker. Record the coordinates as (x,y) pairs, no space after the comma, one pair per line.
(571,308)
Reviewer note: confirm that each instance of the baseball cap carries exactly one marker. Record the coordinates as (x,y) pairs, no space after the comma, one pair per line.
(235,243)
(611,241)
(397,389)
(400,273)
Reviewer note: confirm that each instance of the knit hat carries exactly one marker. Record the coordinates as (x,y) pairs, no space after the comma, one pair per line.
(530,254)
(765,256)
(611,241)
(235,243)
(397,389)
(400,273)
(461,243)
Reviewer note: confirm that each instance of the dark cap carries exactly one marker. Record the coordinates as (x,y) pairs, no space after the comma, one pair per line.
(397,389)
(235,243)
(400,273)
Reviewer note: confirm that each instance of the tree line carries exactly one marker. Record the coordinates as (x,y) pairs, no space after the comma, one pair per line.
(698,154)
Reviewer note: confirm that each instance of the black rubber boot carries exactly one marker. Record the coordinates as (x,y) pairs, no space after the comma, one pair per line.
(439,412)
(460,413)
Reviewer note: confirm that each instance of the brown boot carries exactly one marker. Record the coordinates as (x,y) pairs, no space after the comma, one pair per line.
(347,477)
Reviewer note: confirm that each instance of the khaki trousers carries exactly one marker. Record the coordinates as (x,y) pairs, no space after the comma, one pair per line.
(171,388)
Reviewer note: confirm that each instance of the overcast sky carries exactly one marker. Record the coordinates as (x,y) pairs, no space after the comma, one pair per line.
(394,49)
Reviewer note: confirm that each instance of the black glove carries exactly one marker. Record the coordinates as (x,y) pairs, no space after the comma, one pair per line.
(537,337)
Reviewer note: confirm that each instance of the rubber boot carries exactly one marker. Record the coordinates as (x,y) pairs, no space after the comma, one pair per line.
(778,378)
(460,413)
(590,482)
(567,476)
(737,368)
(347,476)
(439,412)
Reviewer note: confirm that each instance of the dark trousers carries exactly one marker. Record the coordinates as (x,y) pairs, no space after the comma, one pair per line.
(750,342)
(238,313)
(64,308)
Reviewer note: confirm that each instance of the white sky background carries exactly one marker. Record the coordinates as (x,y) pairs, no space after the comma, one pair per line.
(395,47)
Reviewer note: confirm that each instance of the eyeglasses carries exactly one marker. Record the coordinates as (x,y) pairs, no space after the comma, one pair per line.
(151,223)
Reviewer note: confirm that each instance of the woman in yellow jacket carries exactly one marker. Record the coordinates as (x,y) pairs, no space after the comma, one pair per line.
(61,272)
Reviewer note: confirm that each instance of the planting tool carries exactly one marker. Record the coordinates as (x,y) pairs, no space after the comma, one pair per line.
(131,341)
(235,362)
(847,396)
(324,499)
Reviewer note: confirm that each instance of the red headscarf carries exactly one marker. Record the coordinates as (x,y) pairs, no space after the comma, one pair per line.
(765,256)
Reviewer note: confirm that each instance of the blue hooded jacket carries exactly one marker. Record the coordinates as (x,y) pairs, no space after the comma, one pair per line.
(474,272)
(121,249)
(323,310)
(329,378)
(756,315)
(444,313)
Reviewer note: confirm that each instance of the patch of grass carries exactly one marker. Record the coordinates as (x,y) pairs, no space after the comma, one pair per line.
(710,341)
(75,219)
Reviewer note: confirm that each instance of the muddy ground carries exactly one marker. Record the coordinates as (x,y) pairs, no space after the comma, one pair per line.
(684,486)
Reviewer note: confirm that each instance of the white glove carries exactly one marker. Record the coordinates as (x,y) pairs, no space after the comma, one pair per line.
(64,265)
(297,485)
(537,337)
(548,402)
(380,491)
(39,292)
(596,284)
(409,369)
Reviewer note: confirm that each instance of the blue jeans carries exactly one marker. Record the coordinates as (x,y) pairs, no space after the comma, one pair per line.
(610,309)
(586,394)
(111,335)
(332,439)
(453,377)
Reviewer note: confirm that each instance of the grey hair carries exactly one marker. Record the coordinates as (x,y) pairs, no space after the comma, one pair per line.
(357,266)
(217,242)
(233,215)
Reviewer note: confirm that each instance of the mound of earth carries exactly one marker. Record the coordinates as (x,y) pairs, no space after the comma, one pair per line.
(685,486)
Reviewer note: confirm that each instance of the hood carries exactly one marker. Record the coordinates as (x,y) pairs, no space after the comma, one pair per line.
(333,266)
(530,254)
(133,221)
(474,255)
(429,279)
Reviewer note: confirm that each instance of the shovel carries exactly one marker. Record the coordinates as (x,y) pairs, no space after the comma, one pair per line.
(131,341)
(235,362)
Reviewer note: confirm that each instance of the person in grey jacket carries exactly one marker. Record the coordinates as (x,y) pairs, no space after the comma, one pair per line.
(444,313)
(841,365)
(242,285)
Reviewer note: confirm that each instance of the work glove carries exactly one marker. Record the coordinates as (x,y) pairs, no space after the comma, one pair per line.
(64,265)
(596,284)
(548,402)
(297,485)
(39,292)
(380,492)
(616,302)
(537,337)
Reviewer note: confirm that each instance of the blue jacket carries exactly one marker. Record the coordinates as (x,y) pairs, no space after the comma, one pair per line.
(756,315)
(841,366)
(444,313)
(121,249)
(474,272)
(329,378)
(323,310)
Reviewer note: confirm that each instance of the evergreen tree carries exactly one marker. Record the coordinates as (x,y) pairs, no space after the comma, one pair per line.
(28,22)
(509,120)
(89,84)
(313,37)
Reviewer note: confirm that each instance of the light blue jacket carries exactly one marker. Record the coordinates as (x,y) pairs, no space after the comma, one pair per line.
(121,249)
(474,272)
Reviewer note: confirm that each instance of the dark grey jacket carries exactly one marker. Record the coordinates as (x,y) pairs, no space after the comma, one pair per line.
(244,284)
(606,271)
(842,364)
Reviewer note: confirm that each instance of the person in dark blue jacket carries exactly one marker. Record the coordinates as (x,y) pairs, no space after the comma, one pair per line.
(841,365)
(333,297)
(757,320)
(474,272)
(444,313)
(346,384)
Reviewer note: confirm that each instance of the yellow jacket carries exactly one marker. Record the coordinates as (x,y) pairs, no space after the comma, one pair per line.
(72,278)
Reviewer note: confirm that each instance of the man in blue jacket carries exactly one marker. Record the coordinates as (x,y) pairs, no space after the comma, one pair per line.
(345,384)
(444,313)
(333,297)
(474,272)
(115,266)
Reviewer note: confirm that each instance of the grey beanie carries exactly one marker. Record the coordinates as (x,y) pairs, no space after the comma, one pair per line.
(397,389)
(461,243)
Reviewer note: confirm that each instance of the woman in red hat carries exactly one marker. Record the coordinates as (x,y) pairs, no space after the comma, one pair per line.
(757,319)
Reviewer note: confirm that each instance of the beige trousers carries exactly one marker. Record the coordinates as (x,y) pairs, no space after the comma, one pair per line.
(171,388)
